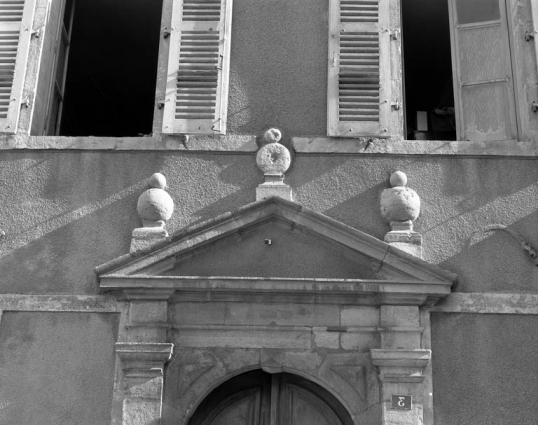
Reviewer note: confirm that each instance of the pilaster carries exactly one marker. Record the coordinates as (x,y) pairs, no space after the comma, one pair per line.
(142,367)
(401,363)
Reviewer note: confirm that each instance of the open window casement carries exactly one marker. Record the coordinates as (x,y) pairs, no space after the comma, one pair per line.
(16,18)
(358,95)
(482,68)
(198,67)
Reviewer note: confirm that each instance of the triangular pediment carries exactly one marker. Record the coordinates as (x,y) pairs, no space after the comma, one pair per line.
(272,240)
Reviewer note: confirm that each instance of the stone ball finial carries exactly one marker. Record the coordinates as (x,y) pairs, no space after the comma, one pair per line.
(399,203)
(273,158)
(155,205)
(157,181)
(273,135)
(398,178)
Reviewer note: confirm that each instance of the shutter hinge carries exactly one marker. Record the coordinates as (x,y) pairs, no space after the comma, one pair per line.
(216,126)
(395,34)
(26,102)
(166,32)
(534,107)
(396,105)
(529,35)
(36,33)
(161,103)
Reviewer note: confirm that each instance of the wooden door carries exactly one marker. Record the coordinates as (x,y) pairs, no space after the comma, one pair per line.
(258,398)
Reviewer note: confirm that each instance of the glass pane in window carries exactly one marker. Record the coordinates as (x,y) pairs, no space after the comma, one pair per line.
(470,11)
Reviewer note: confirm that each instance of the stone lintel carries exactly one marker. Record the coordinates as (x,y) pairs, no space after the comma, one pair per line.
(401,358)
(369,292)
(137,357)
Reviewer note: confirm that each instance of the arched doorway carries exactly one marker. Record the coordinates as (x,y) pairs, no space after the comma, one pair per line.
(259,398)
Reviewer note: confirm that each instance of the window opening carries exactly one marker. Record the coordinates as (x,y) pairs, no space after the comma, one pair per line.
(429,93)
(111,73)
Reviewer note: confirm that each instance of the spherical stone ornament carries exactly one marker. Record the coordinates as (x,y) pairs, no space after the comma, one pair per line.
(398,179)
(155,204)
(399,203)
(157,181)
(273,158)
(273,135)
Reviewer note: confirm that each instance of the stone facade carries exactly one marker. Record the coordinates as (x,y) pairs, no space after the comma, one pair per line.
(140,274)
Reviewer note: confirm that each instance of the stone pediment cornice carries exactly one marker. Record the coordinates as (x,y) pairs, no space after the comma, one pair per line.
(403,278)
(275,290)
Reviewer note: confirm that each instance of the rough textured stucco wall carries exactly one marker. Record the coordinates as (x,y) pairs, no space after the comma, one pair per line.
(56,368)
(484,369)
(278,67)
(68,212)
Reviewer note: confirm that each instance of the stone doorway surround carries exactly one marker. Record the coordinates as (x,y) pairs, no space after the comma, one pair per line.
(364,340)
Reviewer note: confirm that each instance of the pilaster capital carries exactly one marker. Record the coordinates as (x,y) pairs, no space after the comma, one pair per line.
(144,356)
(401,366)
(401,358)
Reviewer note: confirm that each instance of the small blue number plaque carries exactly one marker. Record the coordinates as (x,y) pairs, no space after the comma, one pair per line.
(402,402)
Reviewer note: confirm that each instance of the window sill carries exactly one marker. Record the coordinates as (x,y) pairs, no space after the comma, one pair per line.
(233,143)
(247,144)
(368,145)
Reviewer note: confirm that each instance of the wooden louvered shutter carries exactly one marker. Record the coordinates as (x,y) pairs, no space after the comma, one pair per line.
(16,18)
(198,67)
(358,95)
(483,82)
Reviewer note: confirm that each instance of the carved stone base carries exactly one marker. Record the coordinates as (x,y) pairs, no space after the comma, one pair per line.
(270,189)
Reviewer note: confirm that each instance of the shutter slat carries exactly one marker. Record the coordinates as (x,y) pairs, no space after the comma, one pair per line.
(358,82)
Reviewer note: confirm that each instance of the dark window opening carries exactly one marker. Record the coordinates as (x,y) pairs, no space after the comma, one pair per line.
(112,68)
(429,92)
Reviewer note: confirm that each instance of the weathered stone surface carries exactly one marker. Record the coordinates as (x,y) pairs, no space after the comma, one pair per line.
(400,316)
(404,417)
(148,312)
(281,314)
(324,339)
(154,205)
(359,341)
(243,337)
(273,158)
(268,190)
(359,316)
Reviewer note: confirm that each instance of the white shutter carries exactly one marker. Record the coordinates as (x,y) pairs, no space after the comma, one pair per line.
(482,67)
(198,67)
(358,98)
(16,17)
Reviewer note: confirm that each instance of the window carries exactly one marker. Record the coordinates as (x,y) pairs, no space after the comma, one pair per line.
(196,100)
(458,70)
(134,67)
(98,68)
(475,93)
(358,94)
(100,61)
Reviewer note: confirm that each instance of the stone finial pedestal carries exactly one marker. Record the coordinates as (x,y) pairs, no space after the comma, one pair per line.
(400,207)
(273,159)
(155,207)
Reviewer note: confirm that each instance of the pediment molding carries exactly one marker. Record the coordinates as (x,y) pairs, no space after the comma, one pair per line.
(276,290)
(403,278)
